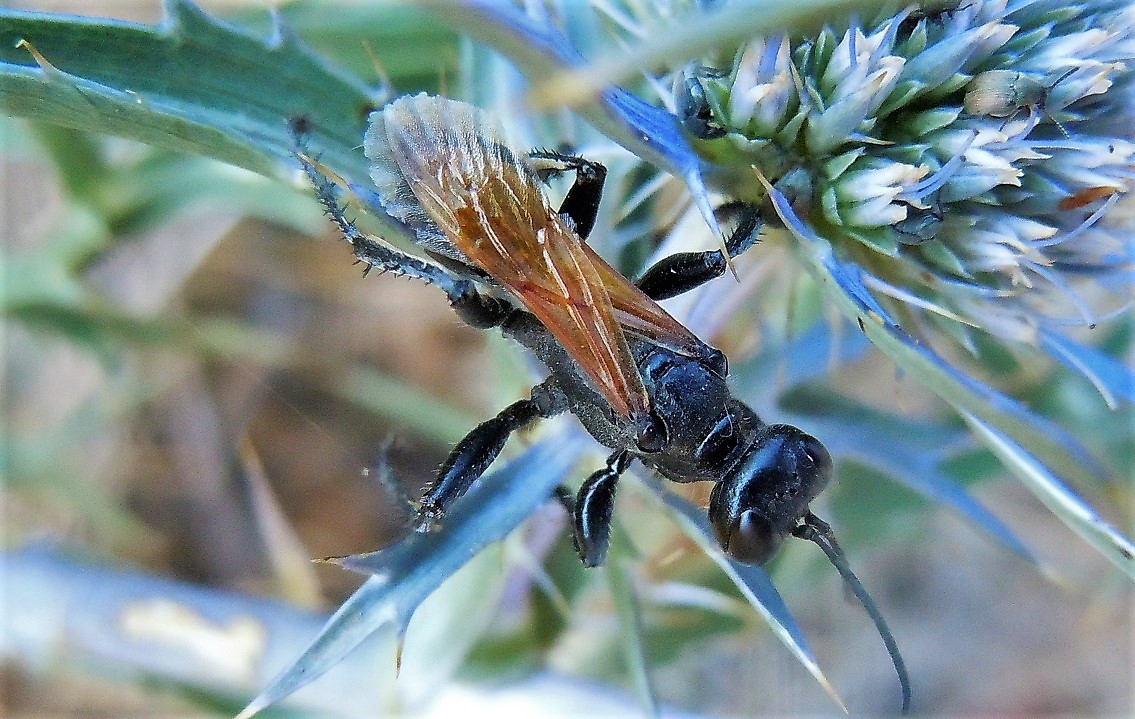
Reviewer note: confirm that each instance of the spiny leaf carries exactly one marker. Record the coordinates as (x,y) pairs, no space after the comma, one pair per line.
(753,583)
(191,83)
(1062,502)
(404,575)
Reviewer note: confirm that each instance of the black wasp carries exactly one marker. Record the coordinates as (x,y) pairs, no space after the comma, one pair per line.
(637,379)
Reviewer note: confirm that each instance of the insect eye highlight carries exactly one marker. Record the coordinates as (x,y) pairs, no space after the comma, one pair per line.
(721,440)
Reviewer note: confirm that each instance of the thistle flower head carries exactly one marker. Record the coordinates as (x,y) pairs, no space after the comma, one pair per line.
(964,156)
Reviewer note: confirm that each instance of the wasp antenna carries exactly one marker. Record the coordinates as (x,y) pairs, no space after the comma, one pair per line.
(818,531)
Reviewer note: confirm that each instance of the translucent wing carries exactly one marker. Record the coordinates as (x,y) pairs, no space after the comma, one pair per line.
(635,311)
(445,165)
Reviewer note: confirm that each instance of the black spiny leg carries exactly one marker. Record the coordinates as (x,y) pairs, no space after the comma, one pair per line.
(374,254)
(473,454)
(472,307)
(682,272)
(581,204)
(591,513)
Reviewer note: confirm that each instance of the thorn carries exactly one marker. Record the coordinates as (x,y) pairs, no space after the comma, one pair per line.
(326,171)
(252,709)
(399,644)
(380,72)
(36,55)
(729,260)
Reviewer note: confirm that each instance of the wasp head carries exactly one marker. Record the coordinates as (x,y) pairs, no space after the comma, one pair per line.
(762,499)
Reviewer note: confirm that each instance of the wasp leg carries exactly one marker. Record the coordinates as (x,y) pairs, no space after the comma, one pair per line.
(591,515)
(473,454)
(477,310)
(369,251)
(682,272)
(581,205)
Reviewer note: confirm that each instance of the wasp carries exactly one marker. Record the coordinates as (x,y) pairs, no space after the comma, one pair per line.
(640,382)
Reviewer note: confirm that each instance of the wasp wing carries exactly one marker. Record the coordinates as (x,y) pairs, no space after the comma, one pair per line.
(638,313)
(486,201)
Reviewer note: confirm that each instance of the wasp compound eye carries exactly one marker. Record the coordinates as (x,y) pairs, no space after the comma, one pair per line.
(752,539)
(762,499)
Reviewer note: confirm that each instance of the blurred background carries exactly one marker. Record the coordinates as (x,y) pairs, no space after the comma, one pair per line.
(205,416)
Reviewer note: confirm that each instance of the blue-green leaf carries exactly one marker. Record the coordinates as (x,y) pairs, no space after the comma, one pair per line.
(753,583)
(404,575)
(191,83)
(1114,381)
(1061,501)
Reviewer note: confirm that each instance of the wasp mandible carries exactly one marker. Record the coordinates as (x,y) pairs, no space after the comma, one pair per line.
(639,382)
